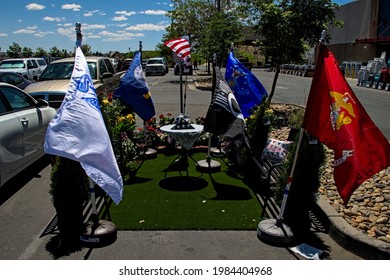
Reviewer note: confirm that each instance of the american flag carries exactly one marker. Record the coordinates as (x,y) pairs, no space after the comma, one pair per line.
(181,47)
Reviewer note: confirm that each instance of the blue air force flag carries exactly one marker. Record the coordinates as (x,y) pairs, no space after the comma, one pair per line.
(133,90)
(247,89)
(78,132)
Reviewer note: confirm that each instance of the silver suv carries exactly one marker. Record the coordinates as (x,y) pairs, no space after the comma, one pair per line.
(156,66)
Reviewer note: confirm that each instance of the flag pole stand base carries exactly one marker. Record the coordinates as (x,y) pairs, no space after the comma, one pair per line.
(150,153)
(98,233)
(208,166)
(275,232)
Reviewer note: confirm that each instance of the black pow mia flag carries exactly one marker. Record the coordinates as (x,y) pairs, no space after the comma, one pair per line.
(224,117)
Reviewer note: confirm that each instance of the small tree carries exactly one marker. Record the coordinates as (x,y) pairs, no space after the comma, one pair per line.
(27,52)
(54,52)
(40,52)
(15,50)
(212,29)
(86,49)
(290,27)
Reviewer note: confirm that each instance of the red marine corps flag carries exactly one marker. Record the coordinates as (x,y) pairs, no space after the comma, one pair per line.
(337,119)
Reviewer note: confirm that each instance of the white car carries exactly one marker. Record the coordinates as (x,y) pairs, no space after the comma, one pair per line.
(156,65)
(27,67)
(41,64)
(23,123)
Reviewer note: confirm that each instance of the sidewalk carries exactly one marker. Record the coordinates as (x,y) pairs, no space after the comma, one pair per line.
(25,217)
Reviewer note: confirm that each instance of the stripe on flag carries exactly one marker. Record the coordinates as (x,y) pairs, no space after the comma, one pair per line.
(181,47)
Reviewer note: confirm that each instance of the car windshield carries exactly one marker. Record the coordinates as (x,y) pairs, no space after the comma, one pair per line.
(155,61)
(12,64)
(63,70)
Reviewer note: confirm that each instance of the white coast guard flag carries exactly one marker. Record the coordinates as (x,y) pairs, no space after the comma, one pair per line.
(78,132)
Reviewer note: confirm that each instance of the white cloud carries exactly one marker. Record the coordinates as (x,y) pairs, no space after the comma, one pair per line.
(91,13)
(35,7)
(24,31)
(94,37)
(32,27)
(92,26)
(57,19)
(3,35)
(120,18)
(120,36)
(147,26)
(121,25)
(42,34)
(73,7)
(69,32)
(126,13)
(154,12)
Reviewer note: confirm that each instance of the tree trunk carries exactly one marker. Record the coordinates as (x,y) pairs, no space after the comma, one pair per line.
(274,84)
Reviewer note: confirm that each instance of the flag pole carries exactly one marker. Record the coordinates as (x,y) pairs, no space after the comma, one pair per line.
(208,165)
(148,152)
(94,218)
(181,86)
(96,232)
(279,220)
(185,96)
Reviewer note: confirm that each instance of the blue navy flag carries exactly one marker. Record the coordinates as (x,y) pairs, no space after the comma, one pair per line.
(133,90)
(224,116)
(247,89)
(78,132)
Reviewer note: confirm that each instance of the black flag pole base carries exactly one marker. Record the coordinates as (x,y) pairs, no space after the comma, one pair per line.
(150,153)
(208,166)
(98,233)
(275,232)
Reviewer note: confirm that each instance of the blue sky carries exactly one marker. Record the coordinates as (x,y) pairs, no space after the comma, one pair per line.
(107,25)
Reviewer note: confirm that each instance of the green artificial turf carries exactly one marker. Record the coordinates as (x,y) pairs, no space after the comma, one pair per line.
(198,202)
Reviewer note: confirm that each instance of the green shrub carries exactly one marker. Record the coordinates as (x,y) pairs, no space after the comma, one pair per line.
(306,178)
(69,191)
(258,126)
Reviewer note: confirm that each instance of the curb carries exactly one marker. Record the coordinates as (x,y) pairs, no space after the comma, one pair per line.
(350,238)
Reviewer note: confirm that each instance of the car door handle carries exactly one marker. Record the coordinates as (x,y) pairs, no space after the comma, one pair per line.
(24,121)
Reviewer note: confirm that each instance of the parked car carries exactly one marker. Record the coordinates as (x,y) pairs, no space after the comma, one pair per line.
(41,64)
(23,123)
(14,79)
(144,61)
(126,64)
(53,83)
(156,66)
(186,68)
(114,62)
(27,67)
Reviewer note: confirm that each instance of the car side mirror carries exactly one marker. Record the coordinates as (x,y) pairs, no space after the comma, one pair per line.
(42,103)
(106,75)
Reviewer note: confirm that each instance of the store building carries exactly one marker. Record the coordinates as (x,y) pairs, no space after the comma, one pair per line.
(366,31)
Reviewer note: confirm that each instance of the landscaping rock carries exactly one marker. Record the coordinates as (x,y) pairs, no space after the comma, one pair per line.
(368,208)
